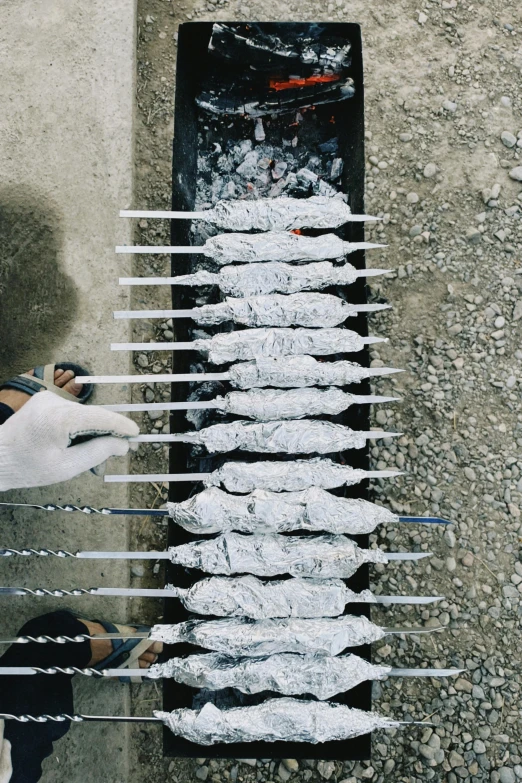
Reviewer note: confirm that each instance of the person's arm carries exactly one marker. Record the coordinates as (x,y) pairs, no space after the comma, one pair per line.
(35,443)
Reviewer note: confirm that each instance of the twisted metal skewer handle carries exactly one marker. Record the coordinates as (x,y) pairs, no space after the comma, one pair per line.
(41,591)
(152,512)
(42,718)
(27,552)
(44,639)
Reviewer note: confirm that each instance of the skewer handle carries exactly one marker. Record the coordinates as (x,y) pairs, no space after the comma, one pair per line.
(62,718)
(143,213)
(165,378)
(178,249)
(163,406)
(153,512)
(147,477)
(133,314)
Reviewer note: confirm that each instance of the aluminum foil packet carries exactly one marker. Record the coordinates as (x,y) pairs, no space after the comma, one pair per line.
(278,277)
(275,404)
(247,596)
(261,511)
(247,344)
(303,309)
(309,436)
(292,372)
(281,476)
(252,638)
(273,246)
(272,554)
(282,719)
(322,676)
(280,214)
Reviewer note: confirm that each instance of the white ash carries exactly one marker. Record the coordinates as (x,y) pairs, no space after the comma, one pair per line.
(308,436)
(293,372)
(322,676)
(247,596)
(271,554)
(249,344)
(272,721)
(281,476)
(215,511)
(240,636)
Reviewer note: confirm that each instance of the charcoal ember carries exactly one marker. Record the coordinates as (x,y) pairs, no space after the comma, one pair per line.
(251,45)
(279,169)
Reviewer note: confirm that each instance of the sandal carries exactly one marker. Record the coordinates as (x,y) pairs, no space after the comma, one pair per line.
(125,652)
(43,378)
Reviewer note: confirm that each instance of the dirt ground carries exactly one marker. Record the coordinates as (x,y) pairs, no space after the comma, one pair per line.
(443,84)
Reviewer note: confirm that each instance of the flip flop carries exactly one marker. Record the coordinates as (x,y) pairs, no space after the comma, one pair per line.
(125,652)
(43,378)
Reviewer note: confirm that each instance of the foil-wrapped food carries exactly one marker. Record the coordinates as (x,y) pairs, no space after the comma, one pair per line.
(284,719)
(252,638)
(262,511)
(246,344)
(275,277)
(281,476)
(280,214)
(271,554)
(307,436)
(247,596)
(303,309)
(294,372)
(278,246)
(291,674)
(274,404)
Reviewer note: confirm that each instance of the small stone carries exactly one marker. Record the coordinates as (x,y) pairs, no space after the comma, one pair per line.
(470,474)
(149,395)
(462,685)
(284,773)
(506,775)
(473,236)
(468,559)
(388,766)
(430,169)
(138,570)
(500,322)
(142,360)
(154,415)
(508,140)
(449,106)
(427,752)
(412,198)
(291,764)
(451,564)
(505,101)
(405,137)
(516,173)
(449,538)
(202,773)
(479,746)
(415,231)
(422,18)
(517,311)
(326,769)
(279,169)
(455,759)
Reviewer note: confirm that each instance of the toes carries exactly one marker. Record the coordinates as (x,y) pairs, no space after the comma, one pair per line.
(156,648)
(148,657)
(64,377)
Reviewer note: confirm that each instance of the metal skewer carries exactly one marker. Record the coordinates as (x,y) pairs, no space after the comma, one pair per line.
(195,313)
(205,215)
(214,279)
(164,512)
(106,673)
(188,437)
(151,555)
(146,477)
(349,247)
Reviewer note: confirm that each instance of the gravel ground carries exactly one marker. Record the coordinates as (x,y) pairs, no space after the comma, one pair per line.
(444,158)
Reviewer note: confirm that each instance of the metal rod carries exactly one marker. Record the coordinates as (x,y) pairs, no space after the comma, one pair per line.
(145,477)
(77,718)
(424,672)
(144,213)
(426,520)
(130,592)
(350,247)
(134,314)
(183,281)
(150,512)
(185,437)
(355,399)
(166,378)
(178,346)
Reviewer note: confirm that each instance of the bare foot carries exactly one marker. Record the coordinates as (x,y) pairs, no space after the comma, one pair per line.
(62,378)
(102,648)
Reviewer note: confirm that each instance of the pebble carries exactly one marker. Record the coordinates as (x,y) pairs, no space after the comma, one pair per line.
(291,764)
(449,106)
(405,137)
(430,169)
(508,140)
(326,769)
(415,231)
(470,474)
(516,173)
(412,198)
(142,360)
(506,775)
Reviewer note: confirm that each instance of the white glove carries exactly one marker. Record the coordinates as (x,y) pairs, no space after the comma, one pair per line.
(34,442)
(6,768)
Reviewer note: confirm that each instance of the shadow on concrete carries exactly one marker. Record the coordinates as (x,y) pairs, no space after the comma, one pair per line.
(37,298)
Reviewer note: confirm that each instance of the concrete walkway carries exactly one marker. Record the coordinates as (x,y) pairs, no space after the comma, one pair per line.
(66,151)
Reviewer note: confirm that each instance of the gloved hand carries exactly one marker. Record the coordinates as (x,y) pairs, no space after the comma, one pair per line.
(35,442)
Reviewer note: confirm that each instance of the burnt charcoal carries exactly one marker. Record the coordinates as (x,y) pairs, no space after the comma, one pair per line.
(254,46)
(248,99)
(331,145)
